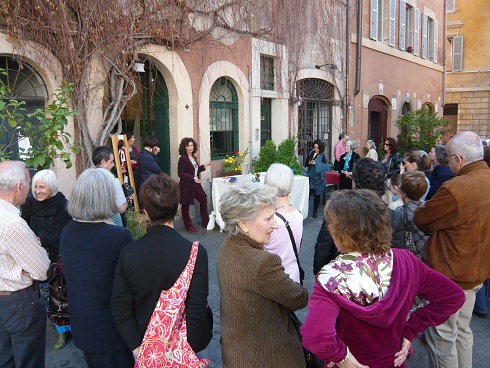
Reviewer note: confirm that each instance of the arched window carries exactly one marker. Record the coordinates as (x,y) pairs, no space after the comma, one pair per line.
(24,85)
(223,118)
(315,114)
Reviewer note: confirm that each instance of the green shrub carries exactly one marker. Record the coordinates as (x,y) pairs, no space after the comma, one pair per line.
(423,130)
(136,223)
(267,157)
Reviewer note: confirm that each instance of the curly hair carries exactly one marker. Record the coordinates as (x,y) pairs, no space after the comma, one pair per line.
(358,221)
(321,145)
(183,144)
(369,174)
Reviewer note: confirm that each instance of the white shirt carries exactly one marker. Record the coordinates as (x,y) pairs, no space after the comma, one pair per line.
(22,259)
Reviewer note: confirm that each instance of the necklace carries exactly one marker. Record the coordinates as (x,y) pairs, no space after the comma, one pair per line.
(284,205)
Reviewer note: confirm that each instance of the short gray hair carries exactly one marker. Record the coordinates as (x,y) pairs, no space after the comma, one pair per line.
(353,144)
(242,202)
(47,177)
(371,144)
(11,173)
(92,198)
(280,177)
(468,145)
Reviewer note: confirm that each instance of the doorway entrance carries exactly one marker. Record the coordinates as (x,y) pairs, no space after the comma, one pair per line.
(377,120)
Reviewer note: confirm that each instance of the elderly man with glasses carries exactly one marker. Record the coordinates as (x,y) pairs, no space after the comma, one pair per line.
(457,219)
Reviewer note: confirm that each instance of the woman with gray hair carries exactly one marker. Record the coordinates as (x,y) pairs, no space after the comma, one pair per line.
(46,214)
(441,171)
(290,221)
(371,147)
(347,161)
(90,247)
(256,293)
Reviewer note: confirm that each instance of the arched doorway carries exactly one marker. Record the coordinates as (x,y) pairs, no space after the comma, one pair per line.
(223,118)
(147,113)
(377,120)
(24,85)
(316,98)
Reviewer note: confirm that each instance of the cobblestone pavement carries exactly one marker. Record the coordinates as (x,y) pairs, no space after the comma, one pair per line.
(71,357)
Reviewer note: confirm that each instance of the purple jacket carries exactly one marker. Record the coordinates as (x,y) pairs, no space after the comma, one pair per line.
(374,333)
(185,170)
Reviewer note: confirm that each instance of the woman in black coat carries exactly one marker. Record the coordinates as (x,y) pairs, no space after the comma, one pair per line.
(90,246)
(153,263)
(46,214)
(190,183)
(392,159)
(347,161)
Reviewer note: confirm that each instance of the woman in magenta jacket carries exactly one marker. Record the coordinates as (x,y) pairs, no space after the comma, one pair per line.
(190,183)
(360,310)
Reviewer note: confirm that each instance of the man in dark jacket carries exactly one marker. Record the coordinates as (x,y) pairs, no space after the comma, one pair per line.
(366,174)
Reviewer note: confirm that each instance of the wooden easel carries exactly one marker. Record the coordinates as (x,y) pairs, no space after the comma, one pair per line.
(115,141)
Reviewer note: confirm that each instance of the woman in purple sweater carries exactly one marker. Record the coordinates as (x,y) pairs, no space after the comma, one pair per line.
(359,311)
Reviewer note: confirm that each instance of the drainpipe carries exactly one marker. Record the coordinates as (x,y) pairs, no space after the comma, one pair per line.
(359,48)
(444,32)
(347,66)
(250,118)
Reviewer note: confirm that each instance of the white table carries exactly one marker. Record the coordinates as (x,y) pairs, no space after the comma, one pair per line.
(298,197)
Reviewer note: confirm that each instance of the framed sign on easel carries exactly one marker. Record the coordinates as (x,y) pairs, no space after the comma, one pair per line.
(115,147)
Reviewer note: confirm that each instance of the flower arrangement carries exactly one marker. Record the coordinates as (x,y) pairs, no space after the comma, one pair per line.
(409,49)
(232,163)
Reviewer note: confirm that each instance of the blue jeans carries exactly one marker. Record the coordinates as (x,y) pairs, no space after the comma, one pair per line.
(481,299)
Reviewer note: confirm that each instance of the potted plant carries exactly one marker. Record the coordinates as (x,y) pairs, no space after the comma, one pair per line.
(232,163)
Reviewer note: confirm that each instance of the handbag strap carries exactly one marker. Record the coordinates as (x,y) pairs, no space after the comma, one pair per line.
(286,222)
(189,268)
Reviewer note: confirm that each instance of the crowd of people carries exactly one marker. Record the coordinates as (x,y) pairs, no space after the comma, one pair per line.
(402,253)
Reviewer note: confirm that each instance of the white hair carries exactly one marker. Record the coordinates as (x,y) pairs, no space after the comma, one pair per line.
(353,144)
(12,173)
(468,145)
(280,177)
(47,177)
(371,144)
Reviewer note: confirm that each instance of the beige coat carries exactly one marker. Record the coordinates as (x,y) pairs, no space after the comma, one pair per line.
(256,295)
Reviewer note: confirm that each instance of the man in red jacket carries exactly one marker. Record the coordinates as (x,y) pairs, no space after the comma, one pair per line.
(457,219)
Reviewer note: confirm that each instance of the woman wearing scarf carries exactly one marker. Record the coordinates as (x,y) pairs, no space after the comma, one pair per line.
(347,161)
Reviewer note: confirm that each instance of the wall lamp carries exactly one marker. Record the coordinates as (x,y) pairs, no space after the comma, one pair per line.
(332,66)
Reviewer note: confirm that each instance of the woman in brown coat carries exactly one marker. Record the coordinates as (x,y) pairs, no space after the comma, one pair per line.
(190,183)
(256,293)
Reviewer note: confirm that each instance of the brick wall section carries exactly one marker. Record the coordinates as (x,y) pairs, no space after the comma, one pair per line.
(473,111)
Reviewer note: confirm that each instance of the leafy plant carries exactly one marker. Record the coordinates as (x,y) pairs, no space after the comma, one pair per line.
(286,154)
(47,138)
(136,223)
(232,163)
(421,129)
(267,156)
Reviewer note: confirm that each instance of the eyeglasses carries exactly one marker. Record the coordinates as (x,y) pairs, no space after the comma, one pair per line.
(387,144)
(446,156)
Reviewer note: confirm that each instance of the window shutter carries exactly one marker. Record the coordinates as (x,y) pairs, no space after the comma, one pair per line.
(457,53)
(416,26)
(391,28)
(424,36)
(436,33)
(450,5)
(403,19)
(373,34)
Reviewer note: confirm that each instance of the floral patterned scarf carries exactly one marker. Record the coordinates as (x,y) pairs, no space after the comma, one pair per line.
(361,278)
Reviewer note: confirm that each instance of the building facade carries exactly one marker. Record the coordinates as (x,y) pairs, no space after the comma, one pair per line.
(468,66)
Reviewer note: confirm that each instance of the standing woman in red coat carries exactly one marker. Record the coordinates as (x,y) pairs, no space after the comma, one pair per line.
(190,184)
